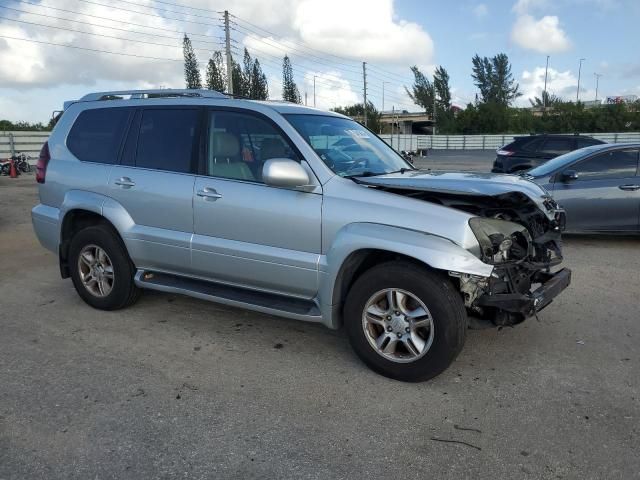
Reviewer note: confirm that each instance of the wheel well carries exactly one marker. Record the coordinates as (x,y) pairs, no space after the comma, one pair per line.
(359,262)
(74,221)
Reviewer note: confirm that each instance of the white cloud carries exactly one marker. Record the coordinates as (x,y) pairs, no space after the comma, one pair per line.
(363,30)
(561,84)
(360,30)
(522,7)
(480,10)
(544,35)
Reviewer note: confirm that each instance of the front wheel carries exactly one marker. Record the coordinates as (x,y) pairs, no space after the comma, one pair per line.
(404,321)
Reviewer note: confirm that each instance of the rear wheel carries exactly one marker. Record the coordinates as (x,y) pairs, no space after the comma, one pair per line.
(405,321)
(101,270)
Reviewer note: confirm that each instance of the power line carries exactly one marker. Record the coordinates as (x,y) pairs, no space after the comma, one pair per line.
(164,9)
(149,14)
(112,19)
(97,34)
(92,49)
(105,26)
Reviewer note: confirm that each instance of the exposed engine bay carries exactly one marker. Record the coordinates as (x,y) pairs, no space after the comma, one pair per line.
(520,237)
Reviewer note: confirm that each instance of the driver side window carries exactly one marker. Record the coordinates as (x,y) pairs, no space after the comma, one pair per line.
(238,144)
(616,164)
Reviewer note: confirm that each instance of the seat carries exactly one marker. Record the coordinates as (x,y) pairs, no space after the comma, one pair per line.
(224,158)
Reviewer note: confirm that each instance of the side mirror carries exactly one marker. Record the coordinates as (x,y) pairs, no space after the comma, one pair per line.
(283,172)
(569,175)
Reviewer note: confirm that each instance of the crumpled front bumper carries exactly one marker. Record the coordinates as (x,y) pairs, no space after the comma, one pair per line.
(531,303)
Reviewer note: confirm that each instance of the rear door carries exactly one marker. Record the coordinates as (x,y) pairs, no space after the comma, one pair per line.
(606,194)
(555,146)
(154,183)
(248,233)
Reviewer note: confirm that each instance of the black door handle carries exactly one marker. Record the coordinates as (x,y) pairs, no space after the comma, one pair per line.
(630,188)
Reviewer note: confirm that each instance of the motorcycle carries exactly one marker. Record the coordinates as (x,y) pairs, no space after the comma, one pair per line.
(21,162)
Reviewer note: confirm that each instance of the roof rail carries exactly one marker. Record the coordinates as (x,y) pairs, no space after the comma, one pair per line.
(161,93)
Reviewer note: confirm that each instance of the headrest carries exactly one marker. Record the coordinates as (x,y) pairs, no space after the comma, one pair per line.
(272,148)
(224,145)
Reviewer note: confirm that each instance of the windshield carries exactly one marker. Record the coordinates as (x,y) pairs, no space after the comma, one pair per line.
(562,161)
(349,149)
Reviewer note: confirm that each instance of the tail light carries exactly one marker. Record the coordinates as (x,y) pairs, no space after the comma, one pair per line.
(506,153)
(43,161)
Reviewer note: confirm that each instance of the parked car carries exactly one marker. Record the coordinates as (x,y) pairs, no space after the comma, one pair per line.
(166,190)
(598,186)
(532,150)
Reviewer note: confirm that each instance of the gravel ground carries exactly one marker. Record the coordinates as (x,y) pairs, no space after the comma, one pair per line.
(179,388)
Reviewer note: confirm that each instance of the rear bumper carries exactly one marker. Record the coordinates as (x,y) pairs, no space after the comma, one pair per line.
(46,227)
(531,303)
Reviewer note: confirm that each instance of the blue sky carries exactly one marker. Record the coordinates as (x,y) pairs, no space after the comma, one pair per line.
(326,39)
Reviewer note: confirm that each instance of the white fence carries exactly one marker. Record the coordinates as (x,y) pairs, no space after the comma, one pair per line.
(481,142)
(21,142)
(31,142)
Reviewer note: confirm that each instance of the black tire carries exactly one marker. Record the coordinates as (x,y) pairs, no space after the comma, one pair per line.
(124,291)
(438,295)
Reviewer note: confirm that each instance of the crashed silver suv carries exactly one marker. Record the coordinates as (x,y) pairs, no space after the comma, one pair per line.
(295,212)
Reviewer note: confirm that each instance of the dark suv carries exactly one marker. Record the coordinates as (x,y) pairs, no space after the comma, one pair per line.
(532,150)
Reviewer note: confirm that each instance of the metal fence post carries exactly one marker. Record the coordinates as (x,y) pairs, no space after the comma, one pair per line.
(484,140)
(12,148)
(615,138)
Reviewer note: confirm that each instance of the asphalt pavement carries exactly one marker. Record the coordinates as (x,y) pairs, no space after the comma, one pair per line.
(175,387)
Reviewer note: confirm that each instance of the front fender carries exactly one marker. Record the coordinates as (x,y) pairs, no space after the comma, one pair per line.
(432,250)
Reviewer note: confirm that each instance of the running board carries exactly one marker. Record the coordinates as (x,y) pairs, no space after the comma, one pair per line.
(263,302)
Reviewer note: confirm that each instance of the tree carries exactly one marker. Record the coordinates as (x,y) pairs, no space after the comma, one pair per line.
(422,91)
(356,112)
(494,79)
(215,73)
(259,85)
(443,91)
(237,80)
(191,72)
(290,92)
(247,72)
(547,99)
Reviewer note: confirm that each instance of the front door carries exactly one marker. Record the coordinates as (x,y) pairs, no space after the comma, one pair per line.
(154,183)
(604,197)
(247,233)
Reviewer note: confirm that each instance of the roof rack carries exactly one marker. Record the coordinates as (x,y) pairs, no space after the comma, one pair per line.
(161,93)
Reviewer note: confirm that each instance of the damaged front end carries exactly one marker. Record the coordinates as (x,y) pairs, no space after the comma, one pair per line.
(518,228)
(521,239)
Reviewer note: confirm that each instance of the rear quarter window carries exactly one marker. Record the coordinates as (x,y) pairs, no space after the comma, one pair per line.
(97,134)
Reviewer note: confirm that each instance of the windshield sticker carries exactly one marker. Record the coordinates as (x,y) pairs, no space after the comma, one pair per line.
(358,133)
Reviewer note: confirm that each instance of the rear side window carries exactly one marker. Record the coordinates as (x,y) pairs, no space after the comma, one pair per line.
(167,139)
(97,134)
(557,146)
(586,142)
(609,165)
(527,144)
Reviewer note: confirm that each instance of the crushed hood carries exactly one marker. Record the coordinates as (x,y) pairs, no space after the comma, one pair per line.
(461,184)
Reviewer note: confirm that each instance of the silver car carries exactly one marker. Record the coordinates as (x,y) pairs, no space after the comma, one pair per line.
(253,204)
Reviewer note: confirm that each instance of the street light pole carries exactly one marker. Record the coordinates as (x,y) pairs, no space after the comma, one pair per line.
(544,94)
(579,70)
(382,104)
(597,75)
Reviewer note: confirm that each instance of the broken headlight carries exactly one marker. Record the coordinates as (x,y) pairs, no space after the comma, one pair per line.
(500,240)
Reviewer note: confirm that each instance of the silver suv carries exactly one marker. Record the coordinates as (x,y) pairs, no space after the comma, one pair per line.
(260,205)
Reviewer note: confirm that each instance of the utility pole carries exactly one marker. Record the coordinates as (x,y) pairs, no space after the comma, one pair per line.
(393,111)
(227,41)
(364,79)
(544,94)
(597,75)
(579,70)
(314,91)
(305,98)
(433,117)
